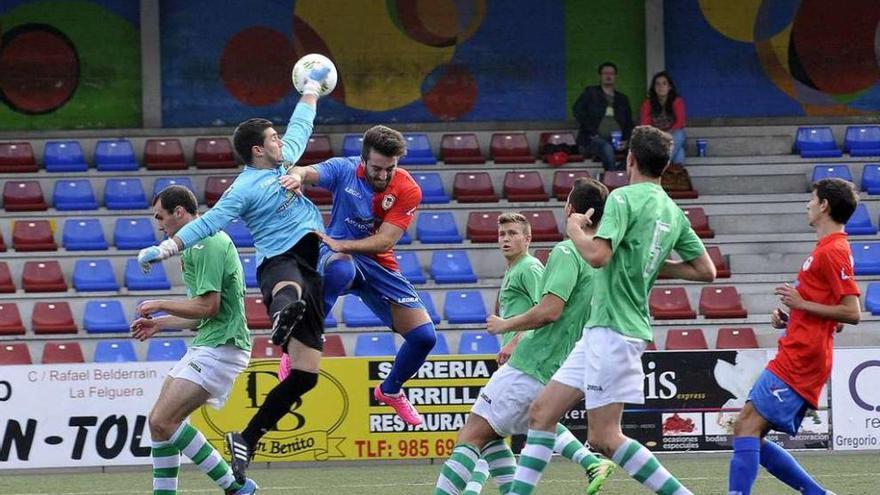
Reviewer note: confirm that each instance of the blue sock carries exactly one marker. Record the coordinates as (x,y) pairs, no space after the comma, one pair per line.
(744,465)
(786,469)
(419,342)
(338,276)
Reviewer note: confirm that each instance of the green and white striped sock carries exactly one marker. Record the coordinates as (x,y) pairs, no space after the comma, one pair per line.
(532,461)
(478,478)
(166,465)
(571,448)
(502,464)
(456,471)
(193,444)
(641,464)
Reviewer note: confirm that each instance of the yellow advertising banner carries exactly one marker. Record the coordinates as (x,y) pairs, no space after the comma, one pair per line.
(340,419)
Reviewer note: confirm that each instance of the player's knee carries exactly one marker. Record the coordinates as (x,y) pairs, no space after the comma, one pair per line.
(161,426)
(539,417)
(423,336)
(339,273)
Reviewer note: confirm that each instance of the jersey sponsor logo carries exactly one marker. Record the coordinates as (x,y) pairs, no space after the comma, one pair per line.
(360,223)
(777,392)
(807,263)
(485,398)
(353,192)
(404,300)
(411,211)
(388,201)
(267,182)
(289,197)
(194,366)
(594,388)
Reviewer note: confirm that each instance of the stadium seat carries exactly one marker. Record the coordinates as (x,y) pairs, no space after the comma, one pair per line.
(542,254)
(699,222)
(721,268)
(437,227)
(564,141)
(866,258)
(62,353)
(94,275)
(165,349)
(862,140)
(451,267)
(164,154)
(249,265)
(115,155)
(356,314)
(114,351)
(125,194)
(25,195)
(7,286)
(329,321)
(478,343)
(441,347)
(482,226)
(14,354)
(872,298)
(510,147)
(680,339)
(461,149)
(816,142)
(317,150)
(17,158)
(215,186)
(464,306)
(375,344)
(104,316)
(64,156)
(2,243)
(428,301)
(736,338)
(333,346)
(670,303)
(83,234)
(544,228)
(721,302)
(133,233)
(409,267)
(42,276)
(473,187)
(74,195)
(163,182)
(49,318)
(405,239)
(432,187)
(239,233)
(10,319)
(563,181)
(418,150)
(256,313)
(33,235)
(318,195)
(352,144)
(213,152)
(614,179)
(871,178)
(831,171)
(524,186)
(860,222)
(262,348)
(136,279)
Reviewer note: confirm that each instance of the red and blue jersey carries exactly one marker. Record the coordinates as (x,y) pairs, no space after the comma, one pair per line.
(358,211)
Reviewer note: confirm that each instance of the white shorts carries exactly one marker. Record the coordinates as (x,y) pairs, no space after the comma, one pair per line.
(504,401)
(212,368)
(607,367)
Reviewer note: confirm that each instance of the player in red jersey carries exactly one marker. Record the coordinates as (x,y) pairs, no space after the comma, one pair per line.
(824,295)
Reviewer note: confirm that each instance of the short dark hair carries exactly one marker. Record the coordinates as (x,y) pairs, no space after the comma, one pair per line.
(384,140)
(651,148)
(588,193)
(606,64)
(841,196)
(247,135)
(176,195)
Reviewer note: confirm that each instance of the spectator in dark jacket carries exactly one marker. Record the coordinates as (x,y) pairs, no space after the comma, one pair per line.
(601,110)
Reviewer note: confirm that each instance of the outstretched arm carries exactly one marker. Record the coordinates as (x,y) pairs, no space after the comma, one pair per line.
(545,312)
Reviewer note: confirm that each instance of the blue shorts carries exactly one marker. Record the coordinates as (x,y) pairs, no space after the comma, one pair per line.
(777,403)
(377,286)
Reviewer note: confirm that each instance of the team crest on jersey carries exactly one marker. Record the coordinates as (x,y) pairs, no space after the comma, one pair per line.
(388,201)
(807,263)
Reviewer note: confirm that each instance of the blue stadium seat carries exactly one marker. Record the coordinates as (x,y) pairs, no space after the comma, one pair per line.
(418,150)
(356,314)
(432,187)
(351,145)
(871,178)
(860,222)
(64,156)
(124,194)
(452,267)
(74,195)
(441,347)
(405,239)
(863,140)
(94,275)
(166,349)
(828,171)
(329,321)
(133,233)
(464,306)
(239,233)
(104,316)
(375,344)
(249,265)
(872,298)
(115,155)
(816,142)
(115,351)
(478,343)
(83,234)
(409,267)
(866,258)
(136,279)
(428,301)
(163,182)
(437,227)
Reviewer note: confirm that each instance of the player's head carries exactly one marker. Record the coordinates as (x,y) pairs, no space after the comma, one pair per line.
(514,234)
(833,199)
(587,193)
(649,150)
(607,73)
(382,148)
(257,143)
(174,207)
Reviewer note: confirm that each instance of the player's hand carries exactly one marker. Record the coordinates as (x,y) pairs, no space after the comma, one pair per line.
(779,319)
(577,222)
(331,243)
(790,296)
(314,81)
(506,351)
(292,182)
(495,324)
(144,328)
(147,308)
(839,328)
(154,254)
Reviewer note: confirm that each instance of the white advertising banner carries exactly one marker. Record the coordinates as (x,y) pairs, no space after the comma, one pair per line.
(77,414)
(855,399)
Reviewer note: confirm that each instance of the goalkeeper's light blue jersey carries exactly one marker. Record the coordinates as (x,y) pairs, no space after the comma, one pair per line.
(277,219)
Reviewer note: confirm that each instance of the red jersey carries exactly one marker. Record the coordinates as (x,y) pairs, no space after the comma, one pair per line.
(803,360)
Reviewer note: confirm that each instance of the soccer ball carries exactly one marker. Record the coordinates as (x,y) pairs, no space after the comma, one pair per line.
(307,64)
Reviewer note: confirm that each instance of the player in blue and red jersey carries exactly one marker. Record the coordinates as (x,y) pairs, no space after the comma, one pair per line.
(374,202)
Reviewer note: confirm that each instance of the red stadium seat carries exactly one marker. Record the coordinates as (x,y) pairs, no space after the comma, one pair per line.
(33,235)
(25,195)
(317,150)
(213,153)
(510,147)
(256,313)
(699,222)
(215,186)
(325,216)
(542,254)
(563,181)
(670,303)
(318,195)
(721,302)
(721,268)
(15,354)
(10,319)
(736,338)
(2,243)
(613,180)
(473,187)
(524,186)
(685,339)
(544,227)
(652,346)
(333,346)
(461,149)
(42,276)
(164,154)
(7,286)
(17,158)
(62,353)
(565,139)
(52,318)
(482,226)
(264,349)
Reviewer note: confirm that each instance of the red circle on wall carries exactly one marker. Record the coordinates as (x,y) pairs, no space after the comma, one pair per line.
(255,66)
(451,91)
